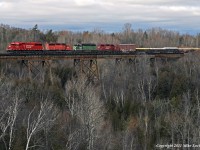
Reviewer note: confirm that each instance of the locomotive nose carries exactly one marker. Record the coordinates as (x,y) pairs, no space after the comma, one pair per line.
(8,47)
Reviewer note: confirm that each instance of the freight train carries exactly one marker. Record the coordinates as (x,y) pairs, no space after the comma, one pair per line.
(35,47)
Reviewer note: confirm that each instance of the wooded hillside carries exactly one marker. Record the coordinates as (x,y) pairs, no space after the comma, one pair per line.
(134,106)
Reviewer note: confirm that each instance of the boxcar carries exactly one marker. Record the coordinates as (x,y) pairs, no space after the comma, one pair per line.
(126,47)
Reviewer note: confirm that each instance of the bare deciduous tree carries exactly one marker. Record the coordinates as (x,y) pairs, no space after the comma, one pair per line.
(38,118)
(84,103)
(10,104)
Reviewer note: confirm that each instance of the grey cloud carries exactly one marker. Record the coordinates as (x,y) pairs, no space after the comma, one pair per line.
(164,13)
(160,2)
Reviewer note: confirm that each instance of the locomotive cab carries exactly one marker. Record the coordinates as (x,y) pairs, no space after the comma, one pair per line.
(15,46)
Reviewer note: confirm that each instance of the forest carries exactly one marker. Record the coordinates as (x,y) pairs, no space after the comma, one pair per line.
(134,106)
(154,37)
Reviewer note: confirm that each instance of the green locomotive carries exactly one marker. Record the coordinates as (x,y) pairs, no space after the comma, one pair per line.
(85,46)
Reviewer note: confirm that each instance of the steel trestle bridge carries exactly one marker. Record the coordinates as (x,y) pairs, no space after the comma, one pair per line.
(84,62)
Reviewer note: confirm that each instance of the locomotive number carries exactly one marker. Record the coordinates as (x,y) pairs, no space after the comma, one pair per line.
(28,46)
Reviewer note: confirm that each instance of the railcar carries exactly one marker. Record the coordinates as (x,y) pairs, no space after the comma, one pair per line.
(164,50)
(85,47)
(77,47)
(25,46)
(126,47)
(58,47)
(106,47)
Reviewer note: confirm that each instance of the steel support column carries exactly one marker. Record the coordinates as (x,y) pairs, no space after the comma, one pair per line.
(88,67)
(34,69)
(127,60)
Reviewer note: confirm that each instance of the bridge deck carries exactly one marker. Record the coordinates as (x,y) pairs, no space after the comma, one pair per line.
(7,56)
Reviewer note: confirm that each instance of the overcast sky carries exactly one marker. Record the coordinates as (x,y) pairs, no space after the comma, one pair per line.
(108,15)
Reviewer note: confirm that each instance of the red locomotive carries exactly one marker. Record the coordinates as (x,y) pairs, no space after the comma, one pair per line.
(106,47)
(57,46)
(119,47)
(25,46)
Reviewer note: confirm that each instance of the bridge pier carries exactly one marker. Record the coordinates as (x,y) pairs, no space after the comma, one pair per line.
(127,60)
(88,67)
(35,69)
